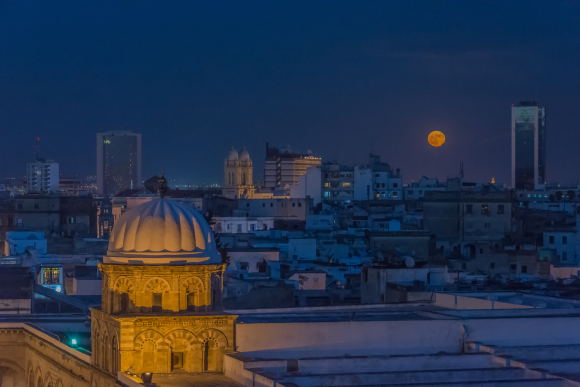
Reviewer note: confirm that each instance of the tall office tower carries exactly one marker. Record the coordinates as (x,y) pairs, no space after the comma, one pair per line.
(284,167)
(528,145)
(118,162)
(42,176)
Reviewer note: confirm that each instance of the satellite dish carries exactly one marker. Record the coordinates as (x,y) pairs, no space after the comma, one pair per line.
(410,262)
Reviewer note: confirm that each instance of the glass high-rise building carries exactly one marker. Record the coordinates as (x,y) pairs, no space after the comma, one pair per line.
(118,162)
(528,146)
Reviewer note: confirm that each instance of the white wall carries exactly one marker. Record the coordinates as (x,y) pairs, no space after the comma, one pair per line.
(401,337)
(87,287)
(363,177)
(352,338)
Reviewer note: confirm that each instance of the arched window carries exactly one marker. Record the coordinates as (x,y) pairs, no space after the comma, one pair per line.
(191,301)
(124,302)
(157,302)
(244,178)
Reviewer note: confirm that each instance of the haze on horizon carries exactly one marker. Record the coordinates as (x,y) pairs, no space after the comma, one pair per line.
(339,78)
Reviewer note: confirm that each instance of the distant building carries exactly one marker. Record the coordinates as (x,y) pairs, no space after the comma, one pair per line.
(284,167)
(13,187)
(42,176)
(377,181)
(338,183)
(106,218)
(308,186)
(118,162)
(238,171)
(464,221)
(417,190)
(75,187)
(528,146)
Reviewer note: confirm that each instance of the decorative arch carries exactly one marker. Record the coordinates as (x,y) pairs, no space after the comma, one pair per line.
(58,383)
(157,285)
(193,282)
(191,294)
(30,377)
(48,380)
(183,336)
(16,367)
(213,334)
(95,347)
(105,352)
(149,336)
(123,285)
(38,377)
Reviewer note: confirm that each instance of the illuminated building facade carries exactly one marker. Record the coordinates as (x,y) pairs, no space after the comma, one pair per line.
(118,162)
(162,291)
(528,146)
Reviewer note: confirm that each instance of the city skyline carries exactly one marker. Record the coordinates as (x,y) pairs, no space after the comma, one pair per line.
(376,77)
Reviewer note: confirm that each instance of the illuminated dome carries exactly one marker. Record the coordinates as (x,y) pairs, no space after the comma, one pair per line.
(233,155)
(244,155)
(162,231)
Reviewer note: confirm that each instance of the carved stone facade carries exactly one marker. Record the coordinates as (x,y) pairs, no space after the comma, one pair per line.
(152,319)
(29,359)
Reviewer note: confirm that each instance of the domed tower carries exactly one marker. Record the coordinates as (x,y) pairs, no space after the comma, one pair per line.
(162,291)
(238,179)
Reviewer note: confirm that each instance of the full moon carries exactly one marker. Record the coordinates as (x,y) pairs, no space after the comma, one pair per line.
(436,138)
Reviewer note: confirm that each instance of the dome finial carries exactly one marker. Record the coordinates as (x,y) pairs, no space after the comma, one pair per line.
(162,185)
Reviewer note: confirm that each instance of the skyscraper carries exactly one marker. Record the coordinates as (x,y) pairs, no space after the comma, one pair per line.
(118,162)
(528,145)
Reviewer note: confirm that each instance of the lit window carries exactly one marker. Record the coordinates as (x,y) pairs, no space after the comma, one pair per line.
(327,184)
(395,194)
(346,184)
(50,276)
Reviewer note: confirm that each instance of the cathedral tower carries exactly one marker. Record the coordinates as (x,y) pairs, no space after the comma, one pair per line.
(238,169)
(162,291)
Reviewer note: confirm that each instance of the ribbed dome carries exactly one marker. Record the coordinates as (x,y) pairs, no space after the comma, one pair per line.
(233,155)
(163,228)
(244,155)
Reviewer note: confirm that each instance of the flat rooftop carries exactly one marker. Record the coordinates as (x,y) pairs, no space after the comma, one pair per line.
(194,379)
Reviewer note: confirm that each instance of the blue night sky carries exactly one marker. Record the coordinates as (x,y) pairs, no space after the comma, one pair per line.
(341,78)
